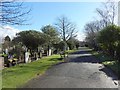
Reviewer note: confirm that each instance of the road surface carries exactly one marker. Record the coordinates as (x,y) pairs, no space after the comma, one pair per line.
(82,71)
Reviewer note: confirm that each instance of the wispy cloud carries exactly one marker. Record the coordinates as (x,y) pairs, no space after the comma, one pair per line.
(81,36)
(7,30)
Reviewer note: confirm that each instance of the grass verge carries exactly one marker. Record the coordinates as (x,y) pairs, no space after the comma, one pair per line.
(18,75)
(71,51)
(107,61)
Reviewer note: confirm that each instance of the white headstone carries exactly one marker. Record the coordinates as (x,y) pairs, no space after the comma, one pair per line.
(6,51)
(50,52)
(1,63)
(27,57)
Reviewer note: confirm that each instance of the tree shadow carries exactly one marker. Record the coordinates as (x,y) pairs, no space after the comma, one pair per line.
(56,59)
(109,73)
(86,57)
(82,52)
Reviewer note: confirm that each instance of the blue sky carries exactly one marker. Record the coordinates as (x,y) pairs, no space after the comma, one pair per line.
(44,13)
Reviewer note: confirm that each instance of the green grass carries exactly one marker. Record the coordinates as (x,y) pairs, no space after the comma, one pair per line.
(101,56)
(80,48)
(18,75)
(107,61)
(71,51)
(113,65)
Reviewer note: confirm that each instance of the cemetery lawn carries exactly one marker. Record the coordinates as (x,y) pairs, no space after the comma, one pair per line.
(71,51)
(18,75)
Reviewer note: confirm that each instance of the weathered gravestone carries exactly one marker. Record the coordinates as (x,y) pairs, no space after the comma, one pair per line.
(27,54)
(1,63)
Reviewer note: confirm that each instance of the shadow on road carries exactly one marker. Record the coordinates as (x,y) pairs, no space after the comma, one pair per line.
(85,56)
(85,59)
(83,51)
(109,73)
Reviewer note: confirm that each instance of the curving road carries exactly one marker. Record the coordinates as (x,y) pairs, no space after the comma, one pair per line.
(82,71)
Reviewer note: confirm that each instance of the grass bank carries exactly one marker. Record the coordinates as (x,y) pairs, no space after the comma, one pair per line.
(75,50)
(71,51)
(108,61)
(18,75)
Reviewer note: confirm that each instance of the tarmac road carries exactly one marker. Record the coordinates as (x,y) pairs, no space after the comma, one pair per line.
(82,71)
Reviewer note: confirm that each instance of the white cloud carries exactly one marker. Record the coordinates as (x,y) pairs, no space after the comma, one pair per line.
(7,30)
(81,36)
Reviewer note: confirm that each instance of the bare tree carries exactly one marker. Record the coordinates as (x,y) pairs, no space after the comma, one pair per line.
(108,12)
(94,26)
(66,28)
(13,12)
(91,29)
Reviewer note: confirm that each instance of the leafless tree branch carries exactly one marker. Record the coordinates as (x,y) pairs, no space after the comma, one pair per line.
(13,12)
(108,12)
(66,28)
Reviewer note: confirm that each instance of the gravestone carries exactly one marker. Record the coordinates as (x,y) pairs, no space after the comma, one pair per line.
(27,54)
(49,52)
(1,63)
(6,51)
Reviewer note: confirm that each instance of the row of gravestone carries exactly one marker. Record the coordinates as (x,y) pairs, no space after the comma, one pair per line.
(9,60)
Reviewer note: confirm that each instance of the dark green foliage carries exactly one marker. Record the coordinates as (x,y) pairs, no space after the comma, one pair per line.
(27,40)
(73,43)
(59,46)
(50,35)
(109,40)
(7,38)
(7,44)
(31,39)
(77,43)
